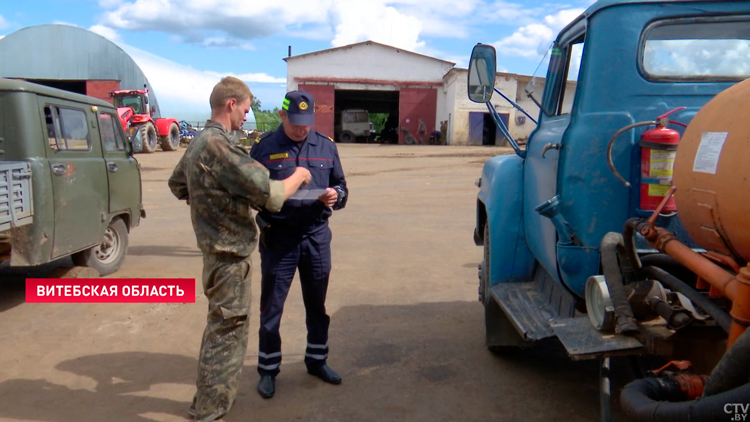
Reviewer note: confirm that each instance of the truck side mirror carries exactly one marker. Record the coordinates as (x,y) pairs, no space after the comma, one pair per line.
(482,67)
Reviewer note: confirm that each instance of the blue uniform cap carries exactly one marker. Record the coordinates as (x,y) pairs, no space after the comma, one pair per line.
(300,108)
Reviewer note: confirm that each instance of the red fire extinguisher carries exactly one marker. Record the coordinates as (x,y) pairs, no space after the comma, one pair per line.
(658,151)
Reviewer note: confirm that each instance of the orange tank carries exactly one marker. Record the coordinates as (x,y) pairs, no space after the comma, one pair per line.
(712,176)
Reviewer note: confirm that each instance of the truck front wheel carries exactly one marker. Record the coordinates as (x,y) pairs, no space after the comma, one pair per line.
(346,137)
(108,256)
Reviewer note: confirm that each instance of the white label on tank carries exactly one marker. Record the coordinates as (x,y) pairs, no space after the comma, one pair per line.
(709,152)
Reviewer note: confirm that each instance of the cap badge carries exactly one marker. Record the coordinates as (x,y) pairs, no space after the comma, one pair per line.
(303,105)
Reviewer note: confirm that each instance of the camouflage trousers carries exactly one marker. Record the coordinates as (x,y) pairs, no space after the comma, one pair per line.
(226,284)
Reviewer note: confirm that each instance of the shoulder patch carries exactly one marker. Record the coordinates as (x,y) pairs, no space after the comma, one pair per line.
(263,136)
(322,135)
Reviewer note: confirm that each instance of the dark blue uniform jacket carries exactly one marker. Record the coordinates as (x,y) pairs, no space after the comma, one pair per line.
(319,154)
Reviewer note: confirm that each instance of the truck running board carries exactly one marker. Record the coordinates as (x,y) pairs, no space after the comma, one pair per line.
(532,306)
(583,341)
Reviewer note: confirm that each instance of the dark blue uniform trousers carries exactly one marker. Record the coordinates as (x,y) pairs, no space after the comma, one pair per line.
(282,254)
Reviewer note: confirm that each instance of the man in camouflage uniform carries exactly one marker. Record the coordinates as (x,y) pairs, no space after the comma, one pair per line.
(220,182)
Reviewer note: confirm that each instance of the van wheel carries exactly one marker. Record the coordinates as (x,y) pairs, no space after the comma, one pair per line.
(346,137)
(172,141)
(147,134)
(108,256)
(500,335)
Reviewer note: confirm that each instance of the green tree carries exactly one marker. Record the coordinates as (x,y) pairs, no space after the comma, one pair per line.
(255,105)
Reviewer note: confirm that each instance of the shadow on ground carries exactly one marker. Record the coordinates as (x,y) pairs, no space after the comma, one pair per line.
(174,251)
(13,280)
(424,362)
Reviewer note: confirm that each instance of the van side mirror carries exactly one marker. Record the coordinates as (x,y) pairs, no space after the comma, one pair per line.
(482,68)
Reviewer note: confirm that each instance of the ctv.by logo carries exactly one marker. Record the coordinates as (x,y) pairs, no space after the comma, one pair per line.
(738,411)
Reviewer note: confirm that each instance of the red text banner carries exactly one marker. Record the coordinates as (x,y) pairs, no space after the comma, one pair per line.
(110,290)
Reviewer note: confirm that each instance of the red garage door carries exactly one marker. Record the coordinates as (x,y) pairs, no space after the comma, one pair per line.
(324,100)
(415,105)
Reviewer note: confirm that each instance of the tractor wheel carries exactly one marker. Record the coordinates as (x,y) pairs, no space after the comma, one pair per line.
(347,137)
(500,335)
(147,135)
(172,141)
(107,256)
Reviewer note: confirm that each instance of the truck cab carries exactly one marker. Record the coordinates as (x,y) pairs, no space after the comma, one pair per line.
(543,213)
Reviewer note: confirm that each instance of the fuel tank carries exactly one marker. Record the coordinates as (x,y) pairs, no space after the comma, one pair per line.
(712,174)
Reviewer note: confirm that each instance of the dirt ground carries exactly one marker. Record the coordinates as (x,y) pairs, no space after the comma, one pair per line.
(406,331)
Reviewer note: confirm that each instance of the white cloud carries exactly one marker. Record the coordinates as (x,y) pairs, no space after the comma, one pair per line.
(360,21)
(227,42)
(183,91)
(233,23)
(3,23)
(106,32)
(2,36)
(533,40)
(252,77)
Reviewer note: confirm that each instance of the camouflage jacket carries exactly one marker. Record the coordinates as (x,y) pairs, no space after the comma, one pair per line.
(222,183)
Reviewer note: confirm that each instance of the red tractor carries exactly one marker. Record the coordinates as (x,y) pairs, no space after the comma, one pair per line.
(137,119)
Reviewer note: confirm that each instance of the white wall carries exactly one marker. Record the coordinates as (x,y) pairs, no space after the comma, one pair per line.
(365,61)
(459,106)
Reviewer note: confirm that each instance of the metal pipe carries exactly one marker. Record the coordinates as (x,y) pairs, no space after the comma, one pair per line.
(610,163)
(736,288)
(674,283)
(605,392)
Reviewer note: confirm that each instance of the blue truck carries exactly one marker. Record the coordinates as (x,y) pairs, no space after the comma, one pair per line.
(562,220)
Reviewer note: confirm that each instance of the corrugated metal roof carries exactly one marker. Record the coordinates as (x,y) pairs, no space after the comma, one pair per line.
(68,52)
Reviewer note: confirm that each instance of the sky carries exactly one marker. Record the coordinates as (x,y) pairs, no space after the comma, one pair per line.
(186,46)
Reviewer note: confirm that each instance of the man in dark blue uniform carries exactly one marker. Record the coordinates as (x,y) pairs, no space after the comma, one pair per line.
(298,236)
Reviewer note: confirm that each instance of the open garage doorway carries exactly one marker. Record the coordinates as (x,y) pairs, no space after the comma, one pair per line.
(379,108)
(483,131)
(93,88)
(77,86)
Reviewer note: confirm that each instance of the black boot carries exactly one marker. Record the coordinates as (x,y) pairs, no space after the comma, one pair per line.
(325,373)
(267,386)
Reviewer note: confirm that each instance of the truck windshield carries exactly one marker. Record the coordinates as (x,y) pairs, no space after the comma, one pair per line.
(132,102)
(356,117)
(697,49)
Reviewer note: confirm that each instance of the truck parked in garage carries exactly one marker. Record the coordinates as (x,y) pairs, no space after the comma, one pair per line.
(353,125)
(69,185)
(583,239)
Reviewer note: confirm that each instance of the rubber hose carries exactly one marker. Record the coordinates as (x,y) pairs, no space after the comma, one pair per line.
(644,400)
(626,322)
(722,318)
(628,239)
(732,370)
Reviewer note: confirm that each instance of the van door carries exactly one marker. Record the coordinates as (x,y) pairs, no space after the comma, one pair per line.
(123,176)
(542,153)
(79,180)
